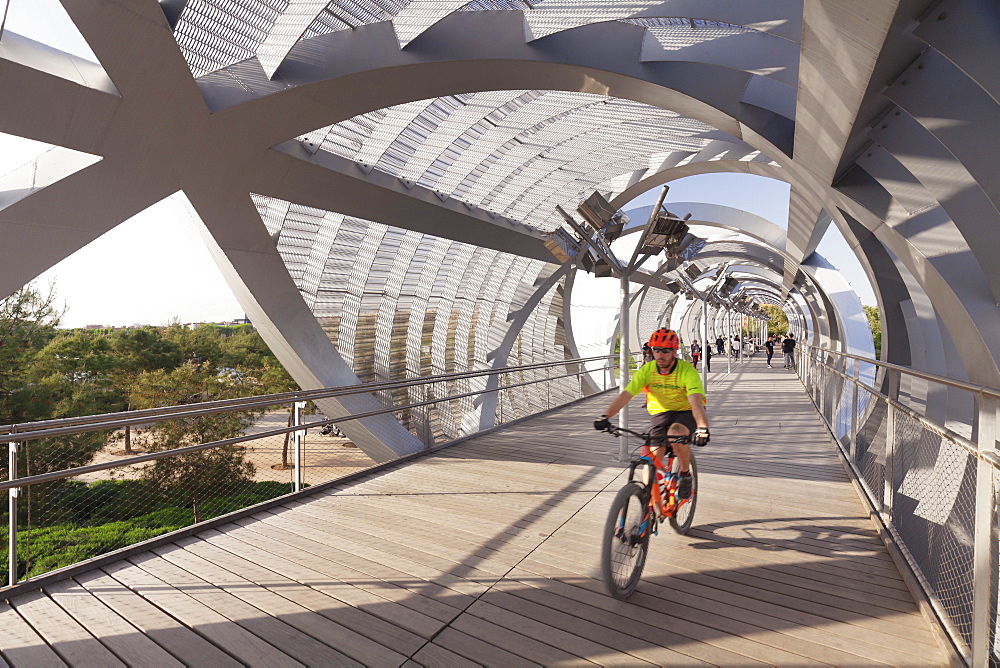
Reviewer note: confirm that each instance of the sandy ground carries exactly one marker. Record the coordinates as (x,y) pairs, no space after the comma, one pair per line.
(323,457)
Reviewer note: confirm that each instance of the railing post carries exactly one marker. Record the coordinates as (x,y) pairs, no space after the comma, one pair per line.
(890,444)
(548,387)
(983,587)
(623,363)
(818,376)
(856,375)
(12,495)
(297,435)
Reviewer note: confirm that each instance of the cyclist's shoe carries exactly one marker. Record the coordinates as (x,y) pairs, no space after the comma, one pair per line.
(684,484)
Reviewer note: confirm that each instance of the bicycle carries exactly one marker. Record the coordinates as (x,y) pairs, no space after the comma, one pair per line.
(639,507)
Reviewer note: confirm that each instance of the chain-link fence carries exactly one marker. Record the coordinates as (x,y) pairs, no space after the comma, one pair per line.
(934,489)
(83,487)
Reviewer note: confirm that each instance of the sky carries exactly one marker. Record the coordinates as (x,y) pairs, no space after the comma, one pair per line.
(767,198)
(155,269)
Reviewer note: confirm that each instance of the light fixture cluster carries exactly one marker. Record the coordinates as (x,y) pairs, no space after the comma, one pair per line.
(590,248)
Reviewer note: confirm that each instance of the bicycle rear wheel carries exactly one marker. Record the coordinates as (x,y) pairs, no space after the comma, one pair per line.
(626,540)
(684,515)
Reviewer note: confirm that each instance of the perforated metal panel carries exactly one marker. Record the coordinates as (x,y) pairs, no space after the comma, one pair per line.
(654,303)
(515,153)
(401,304)
(215,33)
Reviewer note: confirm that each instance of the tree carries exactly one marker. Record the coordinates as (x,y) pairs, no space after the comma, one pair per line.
(100,367)
(146,349)
(244,348)
(72,375)
(200,345)
(136,351)
(248,358)
(778,321)
(28,319)
(875,323)
(193,477)
(33,387)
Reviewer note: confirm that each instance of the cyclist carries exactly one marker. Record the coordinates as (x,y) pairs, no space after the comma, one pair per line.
(675,399)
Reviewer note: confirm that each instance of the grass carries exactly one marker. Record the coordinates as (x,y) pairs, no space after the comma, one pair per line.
(95,521)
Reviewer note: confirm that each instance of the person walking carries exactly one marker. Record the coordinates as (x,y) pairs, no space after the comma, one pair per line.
(788,349)
(708,357)
(720,345)
(695,353)
(769,349)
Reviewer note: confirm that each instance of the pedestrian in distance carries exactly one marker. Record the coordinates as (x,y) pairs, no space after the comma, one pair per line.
(695,353)
(769,349)
(788,350)
(720,345)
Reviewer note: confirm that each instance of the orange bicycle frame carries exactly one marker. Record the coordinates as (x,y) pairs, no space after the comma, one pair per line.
(665,507)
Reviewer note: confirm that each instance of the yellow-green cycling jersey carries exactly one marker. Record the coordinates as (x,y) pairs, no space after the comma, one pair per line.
(666,392)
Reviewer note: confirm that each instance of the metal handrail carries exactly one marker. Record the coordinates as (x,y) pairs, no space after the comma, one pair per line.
(971,447)
(975,643)
(984,390)
(88,423)
(15,486)
(138,459)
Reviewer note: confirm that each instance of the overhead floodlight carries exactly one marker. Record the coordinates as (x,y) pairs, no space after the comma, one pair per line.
(693,271)
(667,233)
(604,218)
(728,285)
(690,246)
(596,265)
(562,245)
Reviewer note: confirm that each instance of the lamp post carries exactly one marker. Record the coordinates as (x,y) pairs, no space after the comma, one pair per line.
(592,250)
(712,295)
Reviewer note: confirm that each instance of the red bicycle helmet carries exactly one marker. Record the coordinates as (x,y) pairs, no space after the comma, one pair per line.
(664,338)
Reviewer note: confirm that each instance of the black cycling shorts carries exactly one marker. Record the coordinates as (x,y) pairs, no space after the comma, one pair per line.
(660,423)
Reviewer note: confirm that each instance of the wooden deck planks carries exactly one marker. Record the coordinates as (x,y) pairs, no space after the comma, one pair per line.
(226,633)
(486,553)
(120,636)
(62,633)
(188,646)
(21,645)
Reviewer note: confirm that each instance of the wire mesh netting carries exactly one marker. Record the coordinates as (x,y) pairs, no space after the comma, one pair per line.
(845,409)
(69,520)
(933,510)
(870,449)
(921,475)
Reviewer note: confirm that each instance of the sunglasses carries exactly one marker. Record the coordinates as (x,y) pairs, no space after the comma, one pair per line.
(655,349)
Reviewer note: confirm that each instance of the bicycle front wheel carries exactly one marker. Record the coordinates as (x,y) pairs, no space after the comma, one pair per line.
(684,514)
(626,540)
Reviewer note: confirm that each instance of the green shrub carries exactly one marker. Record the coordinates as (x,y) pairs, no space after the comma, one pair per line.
(105,501)
(90,533)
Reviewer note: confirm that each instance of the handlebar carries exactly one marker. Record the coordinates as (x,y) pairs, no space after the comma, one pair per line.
(617,431)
